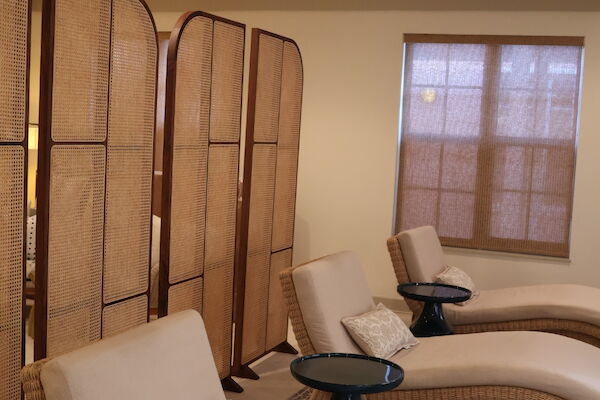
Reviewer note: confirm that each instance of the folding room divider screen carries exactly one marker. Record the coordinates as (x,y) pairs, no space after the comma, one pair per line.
(14,94)
(269,197)
(200,178)
(97,110)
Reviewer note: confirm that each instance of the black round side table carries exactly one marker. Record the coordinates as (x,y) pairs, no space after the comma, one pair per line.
(431,322)
(346,376)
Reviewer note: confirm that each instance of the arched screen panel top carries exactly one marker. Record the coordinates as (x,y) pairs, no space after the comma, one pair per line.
(15,22)
(97,107)
(200,177)
(269,197)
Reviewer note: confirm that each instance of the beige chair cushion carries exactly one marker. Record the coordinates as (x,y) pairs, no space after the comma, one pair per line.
(166,359)
(554,364)
(329,289)
(380,333)
(571,302)
(457,277)
(422,253)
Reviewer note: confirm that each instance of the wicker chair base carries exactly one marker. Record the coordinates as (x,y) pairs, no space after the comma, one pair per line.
(574,329)
(32,384)
(455,393)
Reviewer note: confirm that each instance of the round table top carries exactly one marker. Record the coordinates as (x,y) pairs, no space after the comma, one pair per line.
(434,292)
(347,373)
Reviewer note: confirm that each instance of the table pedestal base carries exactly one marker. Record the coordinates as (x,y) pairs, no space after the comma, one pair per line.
(345,396)
(431,322)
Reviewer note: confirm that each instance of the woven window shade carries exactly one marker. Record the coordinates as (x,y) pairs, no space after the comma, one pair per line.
(199,205)
(489,129)
(95,171)
(14,69)
(269,195)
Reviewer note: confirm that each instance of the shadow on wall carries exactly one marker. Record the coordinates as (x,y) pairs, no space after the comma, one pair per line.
(301,241)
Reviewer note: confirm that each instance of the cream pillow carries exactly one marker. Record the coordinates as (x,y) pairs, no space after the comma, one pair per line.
(379,333)
(457,277)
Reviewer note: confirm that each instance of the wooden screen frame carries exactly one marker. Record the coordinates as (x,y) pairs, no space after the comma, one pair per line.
(167,179)
(240,367)
(46,144)
(24,144)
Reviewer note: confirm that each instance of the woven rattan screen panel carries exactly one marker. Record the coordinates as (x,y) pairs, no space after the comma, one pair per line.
(96,160)
(14,69)
(269,194)
(202,134)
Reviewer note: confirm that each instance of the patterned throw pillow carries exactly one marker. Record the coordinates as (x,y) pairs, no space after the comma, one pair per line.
(457,277)
(380,333)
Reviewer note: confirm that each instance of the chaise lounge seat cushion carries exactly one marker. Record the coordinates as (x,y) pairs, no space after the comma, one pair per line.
(567,302)
(334,287)
(564,367)
(424,259)
(165,359)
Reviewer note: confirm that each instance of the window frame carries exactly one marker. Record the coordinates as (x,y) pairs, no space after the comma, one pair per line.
(486,140)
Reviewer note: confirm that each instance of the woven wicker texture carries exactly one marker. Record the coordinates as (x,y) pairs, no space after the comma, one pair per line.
(81,77)
(455,393)
(204,184)
(186,295)
(278,310)
(259,251)
(268,89)
(13,64)
(220,251)
(190,151)
(125,315)
(12,192)
(217,314)
(129,152)
(277,113)
(284,211)
(32,384)
(227,73)
(75,254)
(574,329)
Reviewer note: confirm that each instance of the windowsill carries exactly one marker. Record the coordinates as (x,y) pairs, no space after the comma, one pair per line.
(459,251)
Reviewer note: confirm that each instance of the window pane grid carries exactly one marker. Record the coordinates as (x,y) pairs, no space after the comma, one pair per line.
(488,144)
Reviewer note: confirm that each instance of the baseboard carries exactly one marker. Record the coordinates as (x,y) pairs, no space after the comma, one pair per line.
(393,303)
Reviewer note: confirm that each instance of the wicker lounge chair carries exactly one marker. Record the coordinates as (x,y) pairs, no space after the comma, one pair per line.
(483,366)
(166,359)
(568,310)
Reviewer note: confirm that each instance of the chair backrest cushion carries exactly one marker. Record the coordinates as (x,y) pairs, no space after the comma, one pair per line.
(329,289)
(422,253)
(166,359)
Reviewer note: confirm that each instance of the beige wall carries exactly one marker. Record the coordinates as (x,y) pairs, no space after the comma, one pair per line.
(352,64)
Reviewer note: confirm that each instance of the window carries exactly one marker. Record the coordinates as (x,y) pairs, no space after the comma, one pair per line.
(488,142)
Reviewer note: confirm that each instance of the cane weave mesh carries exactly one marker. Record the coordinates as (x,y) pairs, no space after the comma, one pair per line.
(277,311)
(221,206)
(268,89)
(13,64)
(220,250)
(12,192)
(287,148)
(226,89)
(190,151)
(130,150)
(125,315)
(81,69)
(186,296)
(259,251)
(76,221)
(204,184)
